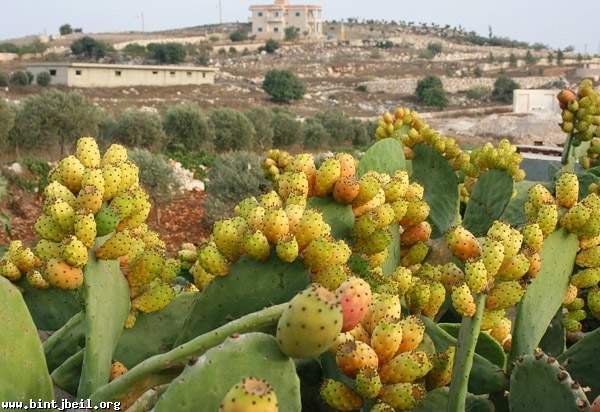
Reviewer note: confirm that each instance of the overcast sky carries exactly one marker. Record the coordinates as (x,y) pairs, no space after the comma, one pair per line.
(557,23)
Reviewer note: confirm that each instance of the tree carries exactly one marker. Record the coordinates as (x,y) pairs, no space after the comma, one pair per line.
(315,134)
(30,76)
(435,48)
(363,133)
(238,35)
(139,128)
(134,50)
(167,53)
(337,124)
(65,29)
(19,78)
(43,79)
(187,125)
(430,92)
(292,33)
(550,58)
(512,59)
(283,86)
(233,130)
(7,121)
(270,46)
(560,56)
(262,119)
(89,47)
(287,130)
(503,89)
(530,59)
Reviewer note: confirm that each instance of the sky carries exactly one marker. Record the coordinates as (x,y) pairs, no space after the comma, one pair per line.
(556,23)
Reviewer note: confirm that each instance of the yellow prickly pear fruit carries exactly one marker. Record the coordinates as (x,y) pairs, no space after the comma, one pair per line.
(402,279)
(116,246)
(112,180)
(310,227)
(256,218)
(463,301)
(400,208)
(413,331)
(287,249)
(271,201)
(228,235)
(36,280)
(25,259)
(368,187)
(9,270)
(212,260)
(383,307)
(47,228)
(462,243)
(452,275)
(257,246)
(476,276)
(416,212)
(589,258)
(354,355)
(46,249)
(85,227)
(201,277)
(547,218)
(368,383)
(69,172)
(402,396)
(154,299)
(533,237)
(586,278)
(437,296)
(74,252)
(417,296)
(405,367)
(55,191)
(339,396)
(386,339)
(576,217)
(539,195)
(441,371)
(87,152)
(63,214)
(327,175)
(347,164)
(570,294)
(567,189)
(61,275)
(89,198)
(395,190)
(129,176)
(504,295)
(514,268)
(501,330)
(593,302)
(330,277)
(250,395)
(170,269)
(114,155)
(294,214)
(144,268)
(292,183)
(93,177)
(276,225)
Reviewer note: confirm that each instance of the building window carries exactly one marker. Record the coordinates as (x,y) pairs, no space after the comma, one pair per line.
(260,14)
(172,74)
(77,72)
(118,73)
(275,29)
(297,14)
(276,14)
(155,72)
(52,72)
(260,29)
(189,74)
(204,75)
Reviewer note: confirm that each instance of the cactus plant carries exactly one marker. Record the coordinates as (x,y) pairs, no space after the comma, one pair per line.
(580,361)
(385,156)
(65,342)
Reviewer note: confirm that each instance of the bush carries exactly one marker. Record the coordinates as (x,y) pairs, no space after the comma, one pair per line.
(19,78)
(53,118)
(286,129)
(363,133)
(315,134)
(9,48)
(185,124)
(43,79)
(283,86)
(337,124)
(238,36)
(233,130)
(167,53)
(138,128)
(156,174)
(262,119)
(384,44)
(270,46)
(478,72)
(530,59)
(503,89)
(478,92)
(435,48)
(512,60)
(65,29)
(292,33)
(3,79)
(89,47)
(30,77)
(197,162)
(430,92)
(233,177)
(7,121)
(134,50)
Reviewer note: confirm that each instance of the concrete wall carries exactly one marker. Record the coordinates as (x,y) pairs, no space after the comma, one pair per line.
(59,74)
(535,101)
(588,74)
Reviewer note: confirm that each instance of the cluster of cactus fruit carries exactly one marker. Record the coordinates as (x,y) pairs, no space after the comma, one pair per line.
(581,115)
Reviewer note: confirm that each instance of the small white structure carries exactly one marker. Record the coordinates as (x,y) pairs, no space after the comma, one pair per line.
(589,71)
(123,75)
(269,21)
(535,101)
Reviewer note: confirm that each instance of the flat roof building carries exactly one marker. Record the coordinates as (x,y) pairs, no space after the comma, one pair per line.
(123,75)
(269,21)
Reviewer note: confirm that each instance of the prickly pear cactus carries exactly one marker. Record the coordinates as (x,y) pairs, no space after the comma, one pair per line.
(580,360)
(385,156)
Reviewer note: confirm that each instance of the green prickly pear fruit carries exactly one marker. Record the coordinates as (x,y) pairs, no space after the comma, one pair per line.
(586,278)
(114,155)
(386,339)
(154,299)
(589,258)
(538,195)
(257,246)
(69,172)
(61,275)
(572,325)
(462,243)
(311,226)
(85,228)
(577,304)
(405,367)
(402,279)
(417,296)
(107,220)
(368,383)
(170,269)
(145,268)
(112,181)
(567,189)
(331,277)
(441,372)
(476,276)
(87,152)
(514,268)
(400,208)
(201,277)
(355,297)
(63,214)
(533,237)
(117,369)
(354,355)
(47,228)
(327,175)
(463,301)
(287,249)
(56,191)
(89,198)
(403,396)
(276,225)
(212,260)
(339,396)
(547,218)
(318,254)
(364,226)
(395,190)
(9,270)
(416,212)
(46,249)
(417,233)
(271,201)
(250,395)
(228,235)
(413,331)
(116,246)
(437,296)
(36,280)
(593,302)
(368,187)
(576,217)
(492,256)
(504,295)
(310,323)
(74,252)
(383,307)
(452,275)
(382,407)
(416,254)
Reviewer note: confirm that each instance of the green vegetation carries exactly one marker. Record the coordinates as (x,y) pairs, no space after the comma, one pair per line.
(233,130)
(187,125)
(283,86)
(65,29)
(166,53)
(138,128)
(287,130)
(315,134)
(135,50)
(270,46)
(503,89)
(478,92)
(430,92)
(262,120)
(7,121)
(238,36)
(19,78)
(156,174)
(3,79)
(292,33)
(90,48)
(43,79)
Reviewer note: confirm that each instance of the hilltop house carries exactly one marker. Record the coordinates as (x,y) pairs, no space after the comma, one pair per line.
(269,21)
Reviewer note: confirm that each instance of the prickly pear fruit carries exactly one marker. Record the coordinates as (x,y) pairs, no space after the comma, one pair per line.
(69,172)
(383,307)
(586,278)
(117,369)
(405,367)
(539,195)
(514,268)
(201,277)
(413,331)
(85,228)
(476,276)
(276,225)
(382,407)
(116,246)
(114,155)
(47,228)
(533,237)
(589,258)
(463,301)
(144,268)
(310,323)
(567,189)
(56,191)
(402,279)
(339,396)
(35,279)
(46,249)
(386,339)
(93,177)
(369,186)
(170,269)
(257,246)
(89,198)
(354,355)
(287,249)
(228,235)
(63,214)
(368,383)
(112,181)
(576,217)
(501,330)
(345,190)
(462,243)
(25,259)
(129,176)
(492,255)
(154,299)
(547,218)
(355,297)
(331,277)
(212,260)
(402,396)
(504,295)
(107,220)
(310,227)
(74,252)
(441,372)
(61,275)
(416,254)
(452,275)
(593,302)
(418,296)
(250,395)
(271,201)
(437,296)
(9,270)
(413,234)
(416,212)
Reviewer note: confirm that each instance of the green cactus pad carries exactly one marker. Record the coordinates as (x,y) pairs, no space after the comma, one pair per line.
(385,156)
(67,375)
(487,346)
(393,258)
(538,383)
(338,216)
(65,342)
(437,401)
(106,296)
(207,381)
(545,294)
(23,371)
(250,286)
(488,200)
(581,360)
(153,333)
(553,342)
(433,172)
(513,213)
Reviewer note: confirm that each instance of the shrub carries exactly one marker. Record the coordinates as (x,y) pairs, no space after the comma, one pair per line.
(138,128)
(337,124)
(233,177)
(384,44)
(283,86)
(185,124)
(503,89)
(478,72)
(560,56)
(43,79)
(435,48)
(203,58)
(30,77)
(134,50)
(430,92)
(65,29)
(232,50)
(530,59)
(156,174)
(292,33)
(233,130)
(362,135)
(19,78)
(286,129)
(9,48)
(7,121)
(167,53)
(361,88)
(238,36)
(478,92)
(315,134)
(512,59)
(53,118)
(3,79)
(89,47)
(262,119)
(270,46)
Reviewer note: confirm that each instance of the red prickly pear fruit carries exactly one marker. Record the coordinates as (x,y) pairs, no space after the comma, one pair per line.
(383,307)
(476,276)
(567,189)
(463,301)
(257,246)
(462,243)
(417,233)
(154,299)
(117,369)
(413,331)
(441,372)
(339,396)
(368,383)
(492,256)
(405,367)
(533,237)
(250,395)
(504,295)
(354,355)
(310,323)
(327,175)
(386,339)
(402,396)
(347,164)
(355,297)
(61,275)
